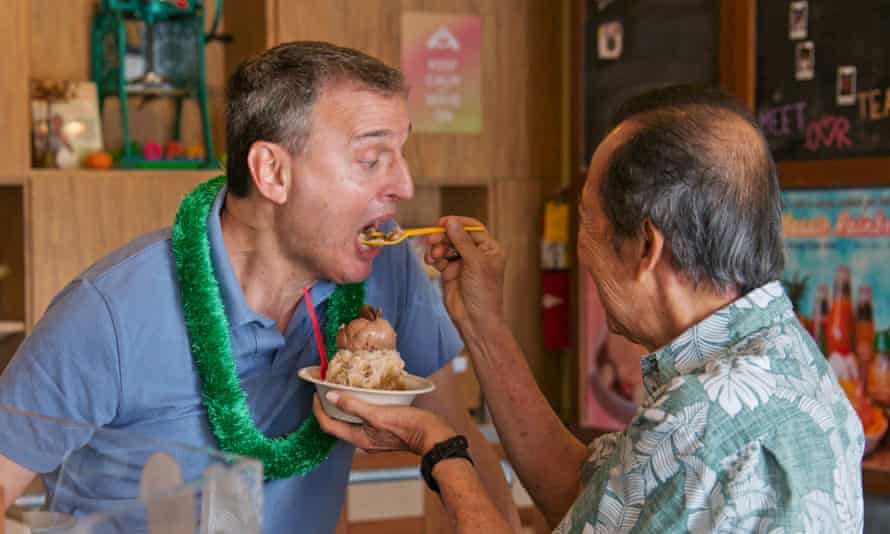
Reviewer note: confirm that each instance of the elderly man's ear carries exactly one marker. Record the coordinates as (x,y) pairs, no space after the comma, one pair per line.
(270,167)
(650,248)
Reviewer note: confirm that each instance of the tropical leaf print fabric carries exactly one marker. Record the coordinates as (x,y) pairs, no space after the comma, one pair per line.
(744,429)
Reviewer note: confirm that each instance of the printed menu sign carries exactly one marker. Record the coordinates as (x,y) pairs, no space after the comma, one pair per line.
(441,59)
(832,231)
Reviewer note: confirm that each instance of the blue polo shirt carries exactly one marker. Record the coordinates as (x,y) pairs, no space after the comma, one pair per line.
(112,351)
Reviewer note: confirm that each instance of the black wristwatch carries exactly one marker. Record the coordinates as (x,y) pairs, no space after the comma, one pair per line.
(455,447)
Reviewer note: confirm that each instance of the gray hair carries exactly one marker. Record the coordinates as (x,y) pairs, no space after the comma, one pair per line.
(271,96)
(699,168)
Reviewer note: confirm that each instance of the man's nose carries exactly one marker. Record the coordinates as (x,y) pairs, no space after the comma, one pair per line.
(401,182)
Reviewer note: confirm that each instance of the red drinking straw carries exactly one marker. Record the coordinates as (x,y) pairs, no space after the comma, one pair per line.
(322,354)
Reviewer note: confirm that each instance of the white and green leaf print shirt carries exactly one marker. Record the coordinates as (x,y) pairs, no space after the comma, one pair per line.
(744,429)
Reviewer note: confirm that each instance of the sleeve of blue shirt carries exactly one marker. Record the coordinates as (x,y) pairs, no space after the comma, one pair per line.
(427,339)
(68,368)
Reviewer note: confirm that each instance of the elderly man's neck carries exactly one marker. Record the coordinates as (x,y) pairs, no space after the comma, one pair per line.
(271,282)
(679,305)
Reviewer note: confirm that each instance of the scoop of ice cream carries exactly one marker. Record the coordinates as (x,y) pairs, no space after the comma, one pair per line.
(378,369)
(370,331)
(366,354)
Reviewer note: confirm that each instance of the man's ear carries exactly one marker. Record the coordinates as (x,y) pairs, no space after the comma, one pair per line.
(270,168)
(650,248)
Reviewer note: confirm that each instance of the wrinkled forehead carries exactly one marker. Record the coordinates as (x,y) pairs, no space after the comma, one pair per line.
(359,114)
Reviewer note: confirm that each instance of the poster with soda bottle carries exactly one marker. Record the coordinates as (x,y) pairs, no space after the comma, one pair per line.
(837,251)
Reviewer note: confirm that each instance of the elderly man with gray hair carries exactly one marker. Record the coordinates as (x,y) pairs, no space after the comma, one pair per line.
(744,427)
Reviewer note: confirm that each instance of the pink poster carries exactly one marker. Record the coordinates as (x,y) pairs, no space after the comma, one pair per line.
(441,59)
(610,380)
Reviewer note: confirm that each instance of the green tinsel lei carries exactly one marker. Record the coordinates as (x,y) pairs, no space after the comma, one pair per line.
(296,453)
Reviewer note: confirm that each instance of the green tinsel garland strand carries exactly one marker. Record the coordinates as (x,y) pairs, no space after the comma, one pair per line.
(300,451)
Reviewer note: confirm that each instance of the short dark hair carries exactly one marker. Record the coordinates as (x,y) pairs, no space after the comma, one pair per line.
(699,168)
(271,96)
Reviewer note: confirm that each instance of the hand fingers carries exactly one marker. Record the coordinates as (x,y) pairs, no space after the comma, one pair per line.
(439,258)
(441,245)
(345,431)
(364,436)
(445,250)
(461,240)
(434,239)
(353,405)
(449,270)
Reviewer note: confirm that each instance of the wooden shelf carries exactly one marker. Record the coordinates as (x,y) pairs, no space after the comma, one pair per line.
(12,327)
(8,328)
(123,173)
(859,172)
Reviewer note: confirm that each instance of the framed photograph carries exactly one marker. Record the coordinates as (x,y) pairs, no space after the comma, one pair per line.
(798,19)
(804,61)
(610,40)
(65,123)
(846,85)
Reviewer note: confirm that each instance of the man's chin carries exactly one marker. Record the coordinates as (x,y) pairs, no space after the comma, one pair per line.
(352,275)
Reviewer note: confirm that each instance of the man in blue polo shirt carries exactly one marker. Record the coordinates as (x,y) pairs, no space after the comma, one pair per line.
(315,137)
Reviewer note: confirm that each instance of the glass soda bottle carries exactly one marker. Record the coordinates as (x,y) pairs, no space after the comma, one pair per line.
(840,317)
(865,328)
(879,370)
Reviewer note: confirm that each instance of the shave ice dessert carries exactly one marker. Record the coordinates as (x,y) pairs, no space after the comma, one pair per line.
(366,354)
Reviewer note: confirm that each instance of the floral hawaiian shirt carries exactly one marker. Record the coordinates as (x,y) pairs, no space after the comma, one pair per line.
(743,429)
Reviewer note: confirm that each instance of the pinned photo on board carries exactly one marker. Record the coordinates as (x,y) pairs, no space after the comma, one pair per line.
(846,85)
(798,19)
(610,40)
(805,61)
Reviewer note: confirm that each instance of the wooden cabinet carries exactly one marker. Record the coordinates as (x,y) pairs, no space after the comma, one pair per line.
(55,223)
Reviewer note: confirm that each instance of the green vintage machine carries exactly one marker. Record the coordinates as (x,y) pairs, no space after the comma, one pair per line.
(167,63)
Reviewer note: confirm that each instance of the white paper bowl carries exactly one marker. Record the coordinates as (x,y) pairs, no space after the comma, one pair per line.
(415,386)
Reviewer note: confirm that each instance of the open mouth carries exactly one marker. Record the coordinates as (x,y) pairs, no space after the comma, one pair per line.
(370,234)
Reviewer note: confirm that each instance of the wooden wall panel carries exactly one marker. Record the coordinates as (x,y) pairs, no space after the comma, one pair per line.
(737,45)
(471,201)
(66,56)
(372,26)
(520,66)
(80,217)
(518,229)
(253,30)
(12,253)
(15,153)
(60,39)
(422,210)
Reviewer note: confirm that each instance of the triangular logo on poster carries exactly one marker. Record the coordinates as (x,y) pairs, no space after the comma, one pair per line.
(443,39)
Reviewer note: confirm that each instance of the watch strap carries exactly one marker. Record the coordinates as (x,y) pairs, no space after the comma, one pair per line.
(455,447)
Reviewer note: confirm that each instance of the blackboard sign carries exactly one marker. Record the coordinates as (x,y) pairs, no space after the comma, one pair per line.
(632,46)
(823,78)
